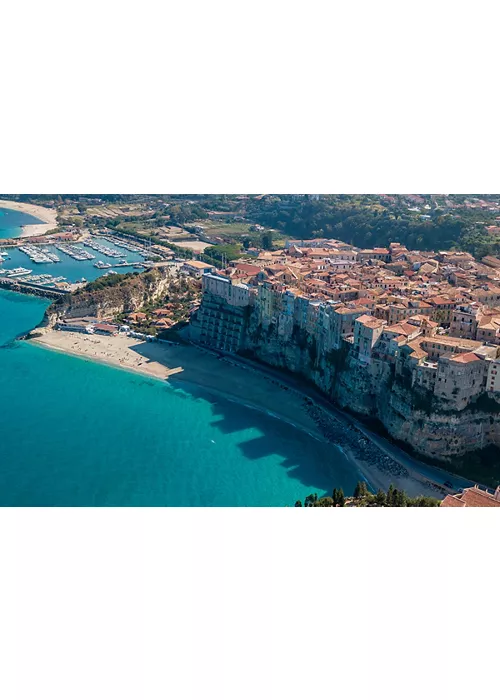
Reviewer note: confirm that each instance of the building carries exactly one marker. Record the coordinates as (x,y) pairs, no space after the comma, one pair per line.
(105,329)
(460,378)
(473,497)
(493,378)
(367,330)
(374,254)
(196,268)
(235,294)
(75,327)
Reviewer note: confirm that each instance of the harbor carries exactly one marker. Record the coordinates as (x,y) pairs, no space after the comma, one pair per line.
(64,266)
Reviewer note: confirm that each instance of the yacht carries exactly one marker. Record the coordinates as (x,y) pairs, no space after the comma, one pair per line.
(18,272)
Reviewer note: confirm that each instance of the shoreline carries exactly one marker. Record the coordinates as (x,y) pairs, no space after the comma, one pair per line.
(378,463)
(46,216)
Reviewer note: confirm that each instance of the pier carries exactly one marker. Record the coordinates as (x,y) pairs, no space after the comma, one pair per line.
(16,285)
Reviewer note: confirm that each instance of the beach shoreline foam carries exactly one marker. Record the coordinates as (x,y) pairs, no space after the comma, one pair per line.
(374,458)
(46,216)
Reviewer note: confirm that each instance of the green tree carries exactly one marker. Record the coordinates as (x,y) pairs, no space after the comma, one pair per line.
(267,240)
(399,499)
(390,495)
(298,504)
(311,499)
(338,497)
(361,490)
(325,502)
(380,498)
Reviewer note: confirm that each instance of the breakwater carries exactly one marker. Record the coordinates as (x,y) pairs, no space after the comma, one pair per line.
(32,288)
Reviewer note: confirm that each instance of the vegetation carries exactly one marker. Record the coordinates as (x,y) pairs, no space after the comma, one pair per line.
(218,252)
(106,281)
(480,466)
(394,498)
(438,222)
(366,221)
(486,404)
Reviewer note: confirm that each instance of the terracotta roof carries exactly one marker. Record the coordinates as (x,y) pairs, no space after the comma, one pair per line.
(440,300)
(452,502)
(401,328)
(490,326)
(455,342)
(345,310)
(465,358)
(370,321)
(473,497)
(105,327)
(249,269)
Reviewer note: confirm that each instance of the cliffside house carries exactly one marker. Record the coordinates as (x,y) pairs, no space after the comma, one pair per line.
(367,330)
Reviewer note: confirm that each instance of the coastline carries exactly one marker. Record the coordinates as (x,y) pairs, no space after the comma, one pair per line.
(374,458)
(44,214)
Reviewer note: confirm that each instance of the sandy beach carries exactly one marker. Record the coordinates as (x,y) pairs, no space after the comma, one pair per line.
(181,363)
(48,216)
(375,458)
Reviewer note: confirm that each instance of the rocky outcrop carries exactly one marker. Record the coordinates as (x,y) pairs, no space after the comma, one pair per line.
(411,416)
(108,297)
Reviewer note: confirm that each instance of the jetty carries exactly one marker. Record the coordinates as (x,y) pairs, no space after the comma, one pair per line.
(16,285)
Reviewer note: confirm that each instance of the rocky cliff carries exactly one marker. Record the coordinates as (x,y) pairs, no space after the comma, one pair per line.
(416,418)
(105,298)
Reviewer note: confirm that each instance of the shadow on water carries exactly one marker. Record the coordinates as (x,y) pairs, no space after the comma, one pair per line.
(314,463)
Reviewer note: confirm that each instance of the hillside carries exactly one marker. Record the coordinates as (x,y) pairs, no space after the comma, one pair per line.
(107,297)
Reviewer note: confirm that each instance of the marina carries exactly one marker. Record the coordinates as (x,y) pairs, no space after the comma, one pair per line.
(75,264)
(101,248)
(39,255)
(75,252)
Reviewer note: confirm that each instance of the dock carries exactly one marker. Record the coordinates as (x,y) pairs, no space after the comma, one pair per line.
(16,285)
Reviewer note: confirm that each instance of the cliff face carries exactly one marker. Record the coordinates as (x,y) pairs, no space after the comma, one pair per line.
(429,426)
(126,295)
(437,432)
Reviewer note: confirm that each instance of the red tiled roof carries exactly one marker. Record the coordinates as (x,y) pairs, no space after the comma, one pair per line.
(473,497)
(466,357)
(452,502)
(105,327)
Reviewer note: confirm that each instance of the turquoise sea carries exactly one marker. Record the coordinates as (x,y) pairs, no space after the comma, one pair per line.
(75,432)
(11,222)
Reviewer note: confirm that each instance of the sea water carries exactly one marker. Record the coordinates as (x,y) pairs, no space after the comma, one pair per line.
(73,432)
(76,433)
(11,222)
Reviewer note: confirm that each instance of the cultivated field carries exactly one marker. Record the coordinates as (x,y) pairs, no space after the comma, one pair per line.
(218,228)
(197,246)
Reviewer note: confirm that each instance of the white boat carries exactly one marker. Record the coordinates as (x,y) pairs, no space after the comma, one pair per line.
(18,272)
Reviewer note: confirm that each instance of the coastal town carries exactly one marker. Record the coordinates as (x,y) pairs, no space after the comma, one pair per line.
(409,338)
(356,321)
